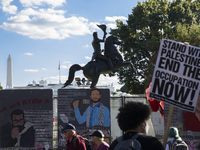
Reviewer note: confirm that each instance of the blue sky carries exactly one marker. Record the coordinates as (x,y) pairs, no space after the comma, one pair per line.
(40,33)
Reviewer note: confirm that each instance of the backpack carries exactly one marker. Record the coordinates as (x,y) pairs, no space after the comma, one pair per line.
(179,145)
(88,144)
(129,144)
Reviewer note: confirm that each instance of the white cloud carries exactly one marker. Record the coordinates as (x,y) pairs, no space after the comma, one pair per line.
(65,67)
(5,2)
(46,24)
(55,79)
(114,18)
(66,62)
(108,81)
(39,20)
(94,25)
(11,9)
(29,54)
(87,57)
(53,3)
(44,69)
(31,70)
(52,78)
(86,46)
(6,7)
(69,65)
(112,25)
(82,65)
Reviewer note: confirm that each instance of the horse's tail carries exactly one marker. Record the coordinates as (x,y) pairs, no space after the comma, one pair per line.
(72,71)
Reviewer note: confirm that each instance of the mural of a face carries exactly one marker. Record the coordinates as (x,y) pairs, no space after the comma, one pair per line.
(95,96)
(18,121)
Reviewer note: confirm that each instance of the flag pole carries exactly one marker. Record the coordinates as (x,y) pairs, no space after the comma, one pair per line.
(169,120)
(59,72)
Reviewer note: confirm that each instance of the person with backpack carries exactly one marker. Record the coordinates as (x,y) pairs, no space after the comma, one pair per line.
(97,138)
(175,142)
(70,134)
(132,118)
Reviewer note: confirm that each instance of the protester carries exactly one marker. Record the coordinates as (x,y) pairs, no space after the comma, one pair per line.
(174,137)
(97,138)
(70,133)
(132,118)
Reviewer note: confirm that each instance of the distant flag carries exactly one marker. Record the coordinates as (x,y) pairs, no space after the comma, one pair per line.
(59,72)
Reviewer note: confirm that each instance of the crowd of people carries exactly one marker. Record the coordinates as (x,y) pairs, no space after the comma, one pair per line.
(132,120)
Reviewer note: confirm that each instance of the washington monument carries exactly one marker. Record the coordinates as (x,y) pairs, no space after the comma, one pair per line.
(9,73)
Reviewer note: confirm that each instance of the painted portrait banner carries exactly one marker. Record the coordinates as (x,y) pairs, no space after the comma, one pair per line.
(87,109)
(26,119)
(176,75)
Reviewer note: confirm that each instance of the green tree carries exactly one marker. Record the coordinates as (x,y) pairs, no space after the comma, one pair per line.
(149,22)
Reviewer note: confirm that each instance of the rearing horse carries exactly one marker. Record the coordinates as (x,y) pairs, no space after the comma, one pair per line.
(93,69)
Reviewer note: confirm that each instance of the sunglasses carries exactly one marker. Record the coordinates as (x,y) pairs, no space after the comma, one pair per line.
(16,121)
(65,131)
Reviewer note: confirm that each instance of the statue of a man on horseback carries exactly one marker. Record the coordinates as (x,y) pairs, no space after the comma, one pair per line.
(101,64)
(97,48)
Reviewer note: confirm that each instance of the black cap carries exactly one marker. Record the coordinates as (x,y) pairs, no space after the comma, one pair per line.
(98,133)
(69,126)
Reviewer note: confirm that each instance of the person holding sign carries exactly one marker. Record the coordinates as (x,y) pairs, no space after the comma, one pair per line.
(17,132)
(95,114)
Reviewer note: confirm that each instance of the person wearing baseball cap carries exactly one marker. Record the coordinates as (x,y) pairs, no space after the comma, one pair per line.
(173,132)
(70,133)
(173,137)
(98,139)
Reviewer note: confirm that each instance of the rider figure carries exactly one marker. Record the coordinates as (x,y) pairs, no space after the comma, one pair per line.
(97,50)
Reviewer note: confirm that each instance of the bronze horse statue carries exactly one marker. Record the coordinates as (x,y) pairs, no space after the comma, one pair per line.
(93,69)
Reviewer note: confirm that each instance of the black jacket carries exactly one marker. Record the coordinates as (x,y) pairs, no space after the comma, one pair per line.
(146,142)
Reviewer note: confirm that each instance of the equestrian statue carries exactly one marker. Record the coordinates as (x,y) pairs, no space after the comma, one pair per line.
(109,63)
